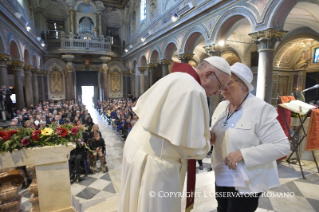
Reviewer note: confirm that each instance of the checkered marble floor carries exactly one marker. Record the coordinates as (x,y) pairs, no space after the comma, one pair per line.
(305,197)
(93,187)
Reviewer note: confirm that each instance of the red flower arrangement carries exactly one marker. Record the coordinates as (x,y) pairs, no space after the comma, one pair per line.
(4,135)
(74,130)
(62,132)
(11,132)
(25,141)
(36,135)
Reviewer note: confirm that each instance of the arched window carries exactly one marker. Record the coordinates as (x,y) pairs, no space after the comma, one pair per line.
(143,10)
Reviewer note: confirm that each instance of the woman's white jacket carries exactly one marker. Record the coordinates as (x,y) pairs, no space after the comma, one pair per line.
(260,139)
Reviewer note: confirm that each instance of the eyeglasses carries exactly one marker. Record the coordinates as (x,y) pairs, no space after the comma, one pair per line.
(231,82)
(221,87)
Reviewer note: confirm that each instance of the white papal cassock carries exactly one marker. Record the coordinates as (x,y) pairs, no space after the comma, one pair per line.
(172,127)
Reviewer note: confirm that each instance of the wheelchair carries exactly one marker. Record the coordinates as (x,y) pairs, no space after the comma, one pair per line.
(92,160)
(84,167)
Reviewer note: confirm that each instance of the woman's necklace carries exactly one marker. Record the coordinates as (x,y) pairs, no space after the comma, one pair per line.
(230,114)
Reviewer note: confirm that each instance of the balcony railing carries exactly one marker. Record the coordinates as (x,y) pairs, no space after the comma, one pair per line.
(79,42)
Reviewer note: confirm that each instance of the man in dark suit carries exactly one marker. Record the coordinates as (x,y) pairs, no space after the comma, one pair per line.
(6,93)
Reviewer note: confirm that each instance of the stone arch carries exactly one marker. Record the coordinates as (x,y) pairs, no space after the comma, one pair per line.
(15,50)
(118,64)
(154,56)
(3,45)
(26,56)
(286,55)
(192,35)
(232,16)
(134,64)
(34,61)
(79,4)
(62,4)
(143,61)
(278,12)
(168,50)
(231,57)
(51,62)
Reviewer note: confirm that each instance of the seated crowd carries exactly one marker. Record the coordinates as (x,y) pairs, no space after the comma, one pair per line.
(119,113)
(59,112)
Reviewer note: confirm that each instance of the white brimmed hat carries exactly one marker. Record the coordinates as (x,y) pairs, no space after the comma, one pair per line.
(244,73)
(220,63)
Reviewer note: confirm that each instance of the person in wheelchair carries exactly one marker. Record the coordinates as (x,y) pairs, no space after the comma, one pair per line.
(98,147)
(77,155)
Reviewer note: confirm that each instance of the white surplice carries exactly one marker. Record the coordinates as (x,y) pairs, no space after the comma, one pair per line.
(172,127)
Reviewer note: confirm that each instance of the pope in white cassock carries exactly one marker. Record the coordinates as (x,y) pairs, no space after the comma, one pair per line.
(173,127)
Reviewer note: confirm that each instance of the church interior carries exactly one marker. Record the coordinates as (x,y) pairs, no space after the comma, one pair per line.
(51,49)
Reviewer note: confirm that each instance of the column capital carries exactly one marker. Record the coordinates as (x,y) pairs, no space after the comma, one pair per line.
(4,57)
(215,49)
(126,73)
(16,64)
(104,69)
(266,39)
(27,67)
(35,71)
(186,56)
(132,71)
(152,65)
(141,69)
(69,68)
(165,61)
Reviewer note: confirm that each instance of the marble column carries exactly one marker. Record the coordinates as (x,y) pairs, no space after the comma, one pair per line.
(41,86)
(100,23)
(185,57)
(151,70)
(46,85)
(165,63)
(18,85)
(69,72)
(72,20)
(132,72)
(28,85)
(142,69)
(35,86)
(3,69)
(105,85)
(266,40)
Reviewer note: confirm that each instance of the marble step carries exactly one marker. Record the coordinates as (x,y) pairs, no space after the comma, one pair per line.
(108,204)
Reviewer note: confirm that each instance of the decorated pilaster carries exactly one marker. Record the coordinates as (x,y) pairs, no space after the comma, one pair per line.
(132,72)
(105,76)
(35,86)
(3,69)
(71,20)
(165,63)
(142,89)
(18,86)
(69,77)
(100,23)
(185,57)
(41,86)
(28,85)
(266,40)
(151,70)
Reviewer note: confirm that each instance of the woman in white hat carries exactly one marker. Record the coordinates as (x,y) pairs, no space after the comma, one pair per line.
(247,141)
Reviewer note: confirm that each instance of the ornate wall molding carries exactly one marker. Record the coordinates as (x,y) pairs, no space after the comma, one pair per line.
(56,82)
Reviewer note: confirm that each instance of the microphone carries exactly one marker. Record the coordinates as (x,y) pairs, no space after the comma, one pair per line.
(313,87)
